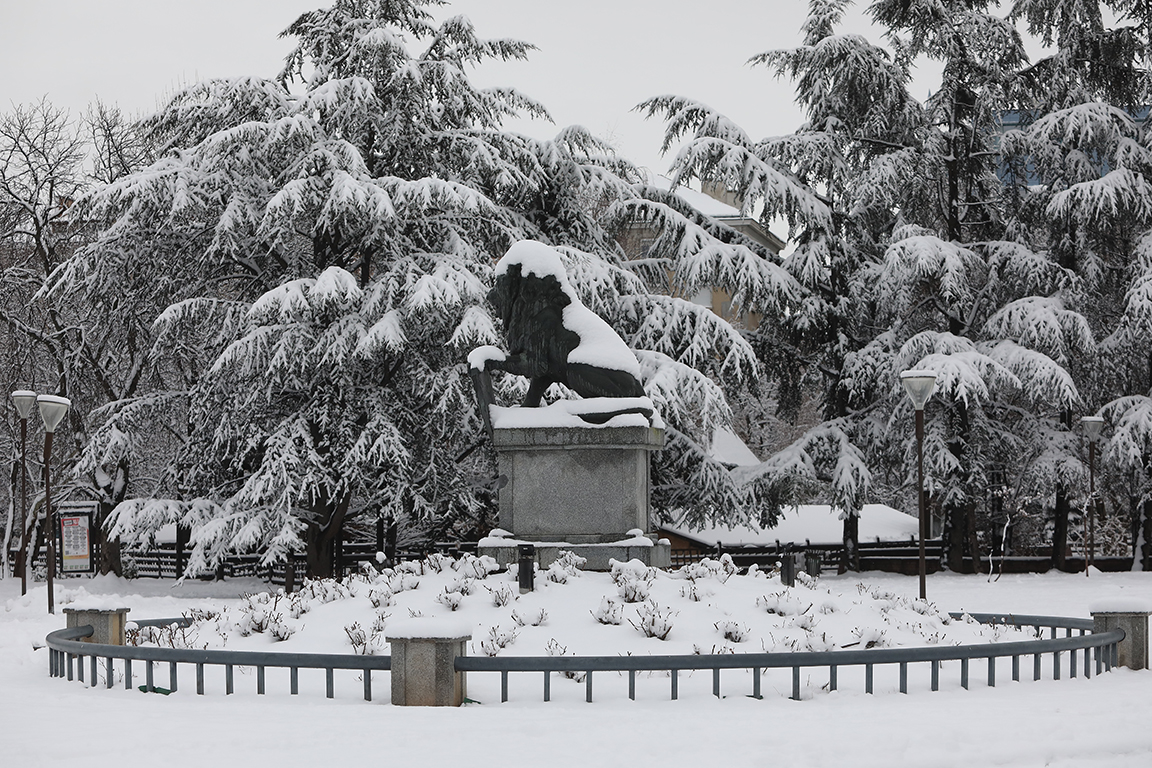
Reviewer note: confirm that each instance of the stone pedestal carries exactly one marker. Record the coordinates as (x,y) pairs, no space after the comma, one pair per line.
(1132,651)
(423,672)
(107,624)
(576,488)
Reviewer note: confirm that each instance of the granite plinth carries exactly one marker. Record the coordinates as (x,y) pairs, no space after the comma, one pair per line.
(108,625)
(575,485)
(423,671)
(1132,651)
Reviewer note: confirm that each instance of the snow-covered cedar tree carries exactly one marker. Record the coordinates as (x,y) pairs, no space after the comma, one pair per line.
(907,259)
(317,252)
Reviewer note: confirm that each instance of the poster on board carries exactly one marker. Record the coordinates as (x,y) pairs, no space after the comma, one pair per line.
(76,541)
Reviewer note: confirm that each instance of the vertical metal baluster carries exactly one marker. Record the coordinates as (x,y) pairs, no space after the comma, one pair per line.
(108,672)
(1056,665)
(93,675)
(547,685)
(172,676)
(935,675)
(259,679)
(1016,669)
(867,678)
(675,684)
(228,679)
(756,683)
(832,675)
(68,660)
(503,686)
(903,677)
(1072,664)
(199,678)
(716,682)
(795,683)
(329,683)
(1035,666)
(991,671)
(127,674)
(294,680)
(149,684)
(588,686)
(80,669)
(632,684)
(367,685)
(964,674)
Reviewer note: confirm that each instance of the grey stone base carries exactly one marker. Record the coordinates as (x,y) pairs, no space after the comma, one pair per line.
(107,625)
(423,673)
(1132,651)
(597,555)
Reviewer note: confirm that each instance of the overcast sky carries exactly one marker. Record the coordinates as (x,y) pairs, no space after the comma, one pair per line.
(597,59)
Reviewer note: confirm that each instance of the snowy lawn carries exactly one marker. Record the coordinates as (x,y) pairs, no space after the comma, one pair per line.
(1098,722)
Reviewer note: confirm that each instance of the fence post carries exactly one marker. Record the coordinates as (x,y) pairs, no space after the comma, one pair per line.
(1131,616)
(424,653)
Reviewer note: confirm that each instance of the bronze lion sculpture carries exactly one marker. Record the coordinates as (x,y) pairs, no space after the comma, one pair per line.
(552,337)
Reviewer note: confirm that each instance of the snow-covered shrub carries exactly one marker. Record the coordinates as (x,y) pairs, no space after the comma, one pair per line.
(568,564)
(380,596)
(654,621)
(553,648)
(463,585)
(475,567)
(380,622)
(609,612)
(782,605)
(695,592)
(536,619)
(707,568)
(325,590)
(357,638)
(868,637)
(633,570)
(450,599)
(436,562)
(733,632)
(502,594)
(298,605)
(279,630)
(635,591)
(497,640)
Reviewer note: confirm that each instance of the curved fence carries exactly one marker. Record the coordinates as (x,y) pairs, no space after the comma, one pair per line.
(1086,650)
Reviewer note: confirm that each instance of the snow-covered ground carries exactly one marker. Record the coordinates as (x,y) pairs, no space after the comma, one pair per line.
(1099,722)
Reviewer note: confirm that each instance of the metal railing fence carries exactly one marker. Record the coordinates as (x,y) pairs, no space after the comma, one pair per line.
(1098,652)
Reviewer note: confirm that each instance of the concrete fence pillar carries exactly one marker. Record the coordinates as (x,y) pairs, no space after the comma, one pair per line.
(424,653)
(107,624)
(1132,617)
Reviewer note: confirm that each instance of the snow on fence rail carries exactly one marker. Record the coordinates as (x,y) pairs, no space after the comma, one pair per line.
(1097,649)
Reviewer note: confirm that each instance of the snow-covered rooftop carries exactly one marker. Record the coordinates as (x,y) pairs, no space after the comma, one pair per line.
(817,523)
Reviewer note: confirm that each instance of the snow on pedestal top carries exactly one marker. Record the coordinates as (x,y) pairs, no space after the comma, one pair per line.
(600,345)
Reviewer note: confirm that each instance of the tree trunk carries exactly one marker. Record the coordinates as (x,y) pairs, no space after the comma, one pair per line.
(954,525)
(320,538)
(1144,539)
(973,541)
(1060,529)
(850,561)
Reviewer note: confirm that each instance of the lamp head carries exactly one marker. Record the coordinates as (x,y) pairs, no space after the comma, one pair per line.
(919,385)
(53,409)
(1093,426)
(24,399)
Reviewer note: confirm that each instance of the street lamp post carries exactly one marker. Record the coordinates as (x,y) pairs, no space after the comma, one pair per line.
(919,385)
(1092,425)
(23,399)
(52,411)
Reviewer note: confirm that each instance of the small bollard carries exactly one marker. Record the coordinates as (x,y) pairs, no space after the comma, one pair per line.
(527,573)
(1130,615)
(812,563)
(788,570)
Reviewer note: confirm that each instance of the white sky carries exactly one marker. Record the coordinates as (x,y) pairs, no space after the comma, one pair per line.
(597,59)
